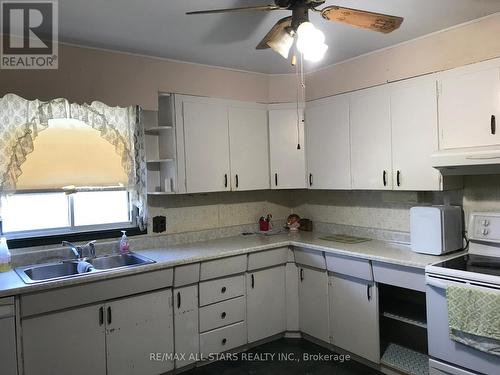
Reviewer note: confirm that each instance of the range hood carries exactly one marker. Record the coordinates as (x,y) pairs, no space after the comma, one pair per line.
(467,161)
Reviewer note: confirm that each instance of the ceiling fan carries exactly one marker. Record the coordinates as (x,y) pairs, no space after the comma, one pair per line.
(310,40)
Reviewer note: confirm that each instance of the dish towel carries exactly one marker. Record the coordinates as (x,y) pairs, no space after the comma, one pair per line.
(474,318)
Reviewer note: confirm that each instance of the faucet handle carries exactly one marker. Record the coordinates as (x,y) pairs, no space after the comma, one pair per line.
(91,248)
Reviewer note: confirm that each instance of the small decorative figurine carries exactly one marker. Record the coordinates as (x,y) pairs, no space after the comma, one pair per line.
(293,222)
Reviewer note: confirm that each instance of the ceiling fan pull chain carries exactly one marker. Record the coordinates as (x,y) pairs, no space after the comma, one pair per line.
(297,75)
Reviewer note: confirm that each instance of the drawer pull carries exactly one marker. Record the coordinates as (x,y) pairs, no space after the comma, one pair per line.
(224,340)
(223,315)
(223,290)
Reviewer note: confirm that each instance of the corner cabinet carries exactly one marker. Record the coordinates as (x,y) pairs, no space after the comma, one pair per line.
(328,148)
(266,315)
(225,144)
(313,303)
(469,105)
(110,338)
(371,164)
(288,169)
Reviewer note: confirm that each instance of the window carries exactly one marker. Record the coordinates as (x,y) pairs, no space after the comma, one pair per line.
(32,214)
(69,153)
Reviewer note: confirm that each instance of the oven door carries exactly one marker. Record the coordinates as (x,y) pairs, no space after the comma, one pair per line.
(441,347)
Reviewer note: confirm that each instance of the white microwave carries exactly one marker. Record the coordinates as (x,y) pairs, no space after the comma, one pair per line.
(436,230)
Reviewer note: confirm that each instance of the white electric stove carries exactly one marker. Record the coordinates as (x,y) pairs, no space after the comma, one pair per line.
(480,269)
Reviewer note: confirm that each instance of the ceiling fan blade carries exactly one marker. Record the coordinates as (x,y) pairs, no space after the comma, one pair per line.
(382,23)
(241,9)
(278,28)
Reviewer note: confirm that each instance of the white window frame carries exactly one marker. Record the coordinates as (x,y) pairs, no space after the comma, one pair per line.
(72,229)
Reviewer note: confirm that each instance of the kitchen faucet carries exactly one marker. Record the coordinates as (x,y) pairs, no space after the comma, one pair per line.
(78,250)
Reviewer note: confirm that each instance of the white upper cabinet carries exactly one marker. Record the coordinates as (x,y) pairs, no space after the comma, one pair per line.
(370,130)
(327,136)
(469,106)
(287,162)
(206,145)
(249,149)
(414,116)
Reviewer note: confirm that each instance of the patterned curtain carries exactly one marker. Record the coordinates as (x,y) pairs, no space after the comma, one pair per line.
(21,120)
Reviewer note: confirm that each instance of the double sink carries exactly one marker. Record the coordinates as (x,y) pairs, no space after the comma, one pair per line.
(73,268)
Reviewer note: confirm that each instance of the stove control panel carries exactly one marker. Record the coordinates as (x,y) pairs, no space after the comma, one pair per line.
(484,226)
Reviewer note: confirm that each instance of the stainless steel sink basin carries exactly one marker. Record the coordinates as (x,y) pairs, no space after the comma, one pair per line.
(119,260)
(55,271)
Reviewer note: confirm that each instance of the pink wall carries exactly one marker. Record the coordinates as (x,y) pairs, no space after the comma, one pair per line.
(114,78)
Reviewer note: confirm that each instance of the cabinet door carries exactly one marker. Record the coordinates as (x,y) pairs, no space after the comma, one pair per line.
(414,118)
(206,146)
(313,303)
(8,356)
(135,328)
(187,339)
(468,99)
(287,162)
(265,303)
(248,138)
(71,341)
(371,166)
(327,135)
(354,316)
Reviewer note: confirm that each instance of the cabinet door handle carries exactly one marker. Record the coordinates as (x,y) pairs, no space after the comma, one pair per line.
(384,177)
(253,281)
(237,180)
(368,292)
(109,315)
(493,124)
(178,300)
(310,179)
(275,179)
(301,274)
(223,315)
(225,180)
(398,178)
(101,316)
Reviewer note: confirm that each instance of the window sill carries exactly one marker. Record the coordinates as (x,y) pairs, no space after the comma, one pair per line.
(16,243)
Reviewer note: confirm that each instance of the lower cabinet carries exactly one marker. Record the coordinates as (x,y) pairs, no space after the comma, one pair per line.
(187,341)
(118,337)
(354,316)
(8,352)
(266,303)
(313,303)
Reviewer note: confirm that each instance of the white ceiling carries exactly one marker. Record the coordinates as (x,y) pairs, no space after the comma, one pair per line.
(160,28)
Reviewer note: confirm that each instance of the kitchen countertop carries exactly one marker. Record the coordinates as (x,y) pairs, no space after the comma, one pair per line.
(376,250)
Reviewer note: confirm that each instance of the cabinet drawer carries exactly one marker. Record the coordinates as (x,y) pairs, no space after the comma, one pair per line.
(402,276)
(186,275)
(223,267)
(223,339)
(360,268)
(270,258)
(221,289)
(222,314)
(311,258)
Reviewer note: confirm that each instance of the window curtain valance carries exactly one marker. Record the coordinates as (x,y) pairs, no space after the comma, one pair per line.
(21,121)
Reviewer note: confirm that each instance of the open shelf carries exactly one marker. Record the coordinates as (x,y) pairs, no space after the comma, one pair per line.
(405,319)
(405,360)
(160,192)
(157,130)
(160,160)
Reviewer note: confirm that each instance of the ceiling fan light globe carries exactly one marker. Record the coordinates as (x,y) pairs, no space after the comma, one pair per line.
(316,53)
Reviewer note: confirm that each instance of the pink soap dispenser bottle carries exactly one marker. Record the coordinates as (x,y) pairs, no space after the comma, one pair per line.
(124,245)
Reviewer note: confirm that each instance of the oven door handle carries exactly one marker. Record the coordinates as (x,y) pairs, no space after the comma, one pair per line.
(435,283)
